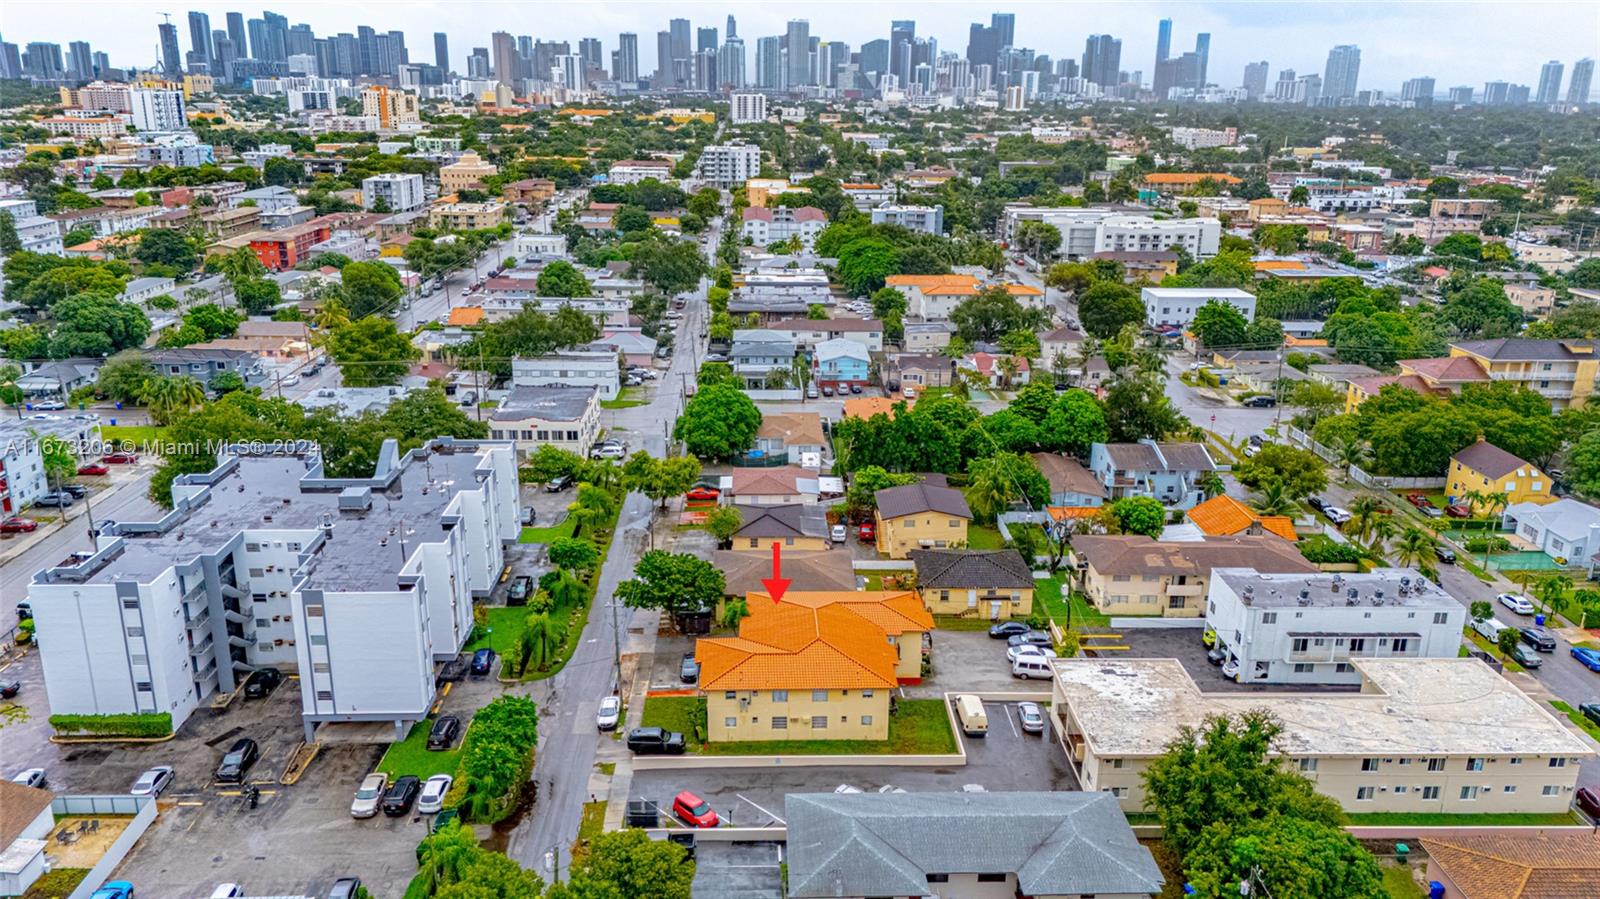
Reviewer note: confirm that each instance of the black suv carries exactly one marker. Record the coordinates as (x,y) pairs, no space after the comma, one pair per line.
(655,741)
(1444,555)
(262,683)
(444,732)
(402,793)
(1008,628)
(1538,638)
(237,761)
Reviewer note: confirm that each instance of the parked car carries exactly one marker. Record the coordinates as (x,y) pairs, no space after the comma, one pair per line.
(482,661)
(521,587)
(1034,638)
(262,683)
(30,777)
(608,451)
(1591,710)
(1539,638)
(114,889)
(237,760)
(909,393)
(655,741)
(1588,658)
(558,483)
(1516,602)
(1230,669)
(1032,718)
(433,791)
(50,405)
(444,732)
(1008,629)
(855,388)
(846,789)
(94,468)
(152,782)
(1208,637)
(368,795)
(1316,502)
(1588,801)
(1028,650)
(1457,510)
(76,491)
(1524,655)
(54,500)
(688,669)
(228,891)
(1216,655)
(693,811)
(1261,402)
(1336,514)
(120,458)
(1444,554)
(867,533)
(16,524)
(1251,450)
(838,533)
(401,796)
(10,688)
(608,714)
(702,494)
(1430,511)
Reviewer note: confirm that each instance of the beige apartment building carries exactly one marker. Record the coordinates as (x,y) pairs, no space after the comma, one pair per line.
(466,173)
(468,216)
(920,516)
(1130,574)
(1422,735)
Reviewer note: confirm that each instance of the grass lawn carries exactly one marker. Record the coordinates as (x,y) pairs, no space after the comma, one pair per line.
(679,713)
(590,826)
(550,534)
(57,883)
(1049,593)
(1588,726)
(145,438)
(957,623)
(499,632)
(1491,649)
(577,620)
(981,537)
(411,755)
(627,399)
(1398,882)
(918,726)
(1442,819)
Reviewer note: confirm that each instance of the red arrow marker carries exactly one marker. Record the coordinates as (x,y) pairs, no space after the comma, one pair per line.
(777,584)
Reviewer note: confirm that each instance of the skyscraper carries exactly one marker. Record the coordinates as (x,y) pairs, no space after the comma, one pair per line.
(682,52)
(223,53)
(80,61)
(705,39)
(504,50)
(1202,50)
(875,57)
(171,59)
(797,46)
(770,71)
(1418,92)
(441,51)
(663,76)
(1582,77)
(102,63)
(236,34)
(733,28)
(985,42)
(1549,83)
(730,62)
(902,37)
(1255,79)
(200,38)
(1340,75)
(625,62)
(592,53)
(1163,41)
(1102,60)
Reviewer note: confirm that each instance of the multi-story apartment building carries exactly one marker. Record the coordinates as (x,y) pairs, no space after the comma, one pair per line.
(865,196)
(927,219)
(748,108)
(1085,232)
(86,127)
(361,585)
(400,192)
(1422,735)
(466,173)
(728,165)
(176,154)
(37,233)
(393,109)
(563,417)
(765,226)
(1176,306)
(1131,574)
(1563,371)
(1309,628)
(157,110)
(807,333)
(632,171)
(284,249)
(1170,472)
(468,216)
(572,368)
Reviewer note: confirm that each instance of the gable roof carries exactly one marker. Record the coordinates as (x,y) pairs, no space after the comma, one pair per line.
(1000,569)
(1137,554)
(1539,865)
(1447,368)
(1489,460)
(886,844)
(803,428)
(1524,348)
(842,348)
(782,521)
(19,805)
(1067,475)
(812,641)
(466,315)
(895,502)
(785,480)
(1145,456)
(743,572)
(1222,516)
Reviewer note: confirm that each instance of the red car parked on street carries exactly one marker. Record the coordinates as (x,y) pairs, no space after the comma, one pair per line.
(120,458)
(18,525)
(94,468)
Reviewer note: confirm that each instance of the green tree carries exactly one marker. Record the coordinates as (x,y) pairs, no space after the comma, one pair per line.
(573,554)
(998,481)
(239,265)
(1107,306)
(1481,309)
(370,288)
(539,644)
(561,279)
(672,266)
(636,866)
(660,479)
(166,246)
(1219,324)
(10,243)
(1273,498)
(864,263)
(718,422)
(371,352)
(1300,472)
(93,324)
(1299,195)
(1138,408)
(675,583)
(258,296)
(991,313)
(723,522)
(861,496)
(1138,515)
(122,377)
(1287,856)
(549,462)
(167,397)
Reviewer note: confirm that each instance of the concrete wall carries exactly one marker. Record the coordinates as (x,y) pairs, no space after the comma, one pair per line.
(143,810)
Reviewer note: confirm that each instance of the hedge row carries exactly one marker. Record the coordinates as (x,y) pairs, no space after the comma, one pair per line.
(153,725)
(496,759)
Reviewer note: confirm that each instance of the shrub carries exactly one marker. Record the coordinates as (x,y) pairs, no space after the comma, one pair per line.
(1325,551)
(496,759)
(156,725)
(1490,544)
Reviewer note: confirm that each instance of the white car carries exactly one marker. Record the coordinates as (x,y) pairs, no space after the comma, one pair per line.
(1516,602)
(290,381)
(1032,717)
(909,393)
(369,795)
(973,788)
(227,891)
(838,533)
(50,406)
(1230,669)
(610,711)
(890,788)
(846,788)
(1028,649)
(30,777)
(433,790)
(608,451)
(152,782)
(1336,514)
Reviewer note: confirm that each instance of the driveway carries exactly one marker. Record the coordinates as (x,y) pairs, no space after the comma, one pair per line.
(969,661)
(738,871)
(1184,645)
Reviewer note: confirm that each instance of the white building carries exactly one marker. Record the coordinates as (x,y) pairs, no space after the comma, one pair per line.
(539,246)
(728,165)
(402,192)
(22,477)
(927,219)
(1085,232)
(1176,306)
(632,171)
(1308,628)
(764,226)
(158,110)
(1565,530)
(361,585)
(1198,138)
(37,233)
(748,109)
(180,154)
(563,417)
(574,368)
(877,143)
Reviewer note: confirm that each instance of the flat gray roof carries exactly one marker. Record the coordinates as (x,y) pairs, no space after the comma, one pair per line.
(1380,587)
(546,403)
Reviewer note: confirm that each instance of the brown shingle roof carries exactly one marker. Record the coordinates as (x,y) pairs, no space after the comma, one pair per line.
(796,428)
(1489,460)
(782,521)
(1001,569)
(743,572)
(769,481)
(895,502)
(1067,475)
(19,805)
(1541,865)
(1138,554)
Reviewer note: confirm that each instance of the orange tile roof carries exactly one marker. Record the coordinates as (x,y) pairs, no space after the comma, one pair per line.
(1189,178)
(1224,516)
(1023,290)
(1543,865)
(812,641)
(1291,340)
(1278,265)
(1065,513)
(927,281)
(466,315)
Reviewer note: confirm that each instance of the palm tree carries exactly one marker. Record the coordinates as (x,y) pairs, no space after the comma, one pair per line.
(443,857)
(800,375)
(1274,499)
(1474,499)
(1009,367)
(1363,512)
(1211,485)
(241,264)
(1383,528)
(1416,546)
(165,397)
(990,492)
(541,637)
(1350,454)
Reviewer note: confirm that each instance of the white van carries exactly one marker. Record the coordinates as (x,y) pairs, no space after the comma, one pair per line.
(1031,666)
(974,721)
(1488,628)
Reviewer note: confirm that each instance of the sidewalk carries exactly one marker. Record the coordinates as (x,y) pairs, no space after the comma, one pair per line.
(21,544)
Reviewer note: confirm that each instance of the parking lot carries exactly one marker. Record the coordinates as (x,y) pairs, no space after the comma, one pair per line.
(1183,644)
(1006,760)
(970,661)
(738,871)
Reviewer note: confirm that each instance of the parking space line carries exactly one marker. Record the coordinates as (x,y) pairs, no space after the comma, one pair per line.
(1011,721)
(764,811)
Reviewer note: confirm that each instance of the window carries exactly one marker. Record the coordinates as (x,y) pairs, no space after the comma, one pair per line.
(866,694)
(136,632)
(819,695)
(819,722)
(1474,764)
(780,695)
(991,878)
(730,721)
(1304,668)
(1358,645)
(1441,617)
(866,720)
(262,622)
(1550,790)
(324,695)
(252,547)
(1436,765)
(1558,763)
(1510,788)
(1430,792)
(730,694)
(1299,644)
(956,522)
(314,611)
(140,659)
(1269,617)
(780,722)
(1401,644)
(1405,761)
(1399,790)
(1119,792)
(938,878)
(131,603)
(1369,764)
(257,572)
(1516,760)
(1115,763)
(1308,764)
(1470,794)
(321,667)
(319,640)
(1365,794)
(258,597)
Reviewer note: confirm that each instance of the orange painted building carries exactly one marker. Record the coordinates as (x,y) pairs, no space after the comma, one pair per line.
(286,248)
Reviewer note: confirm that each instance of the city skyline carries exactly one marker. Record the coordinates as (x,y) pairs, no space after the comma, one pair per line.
(1241,33)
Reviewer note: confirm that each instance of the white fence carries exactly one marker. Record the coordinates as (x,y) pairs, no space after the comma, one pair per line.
(1380,482)
(143,810)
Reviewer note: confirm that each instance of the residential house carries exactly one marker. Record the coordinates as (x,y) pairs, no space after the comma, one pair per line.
(841,363)
(792,435)
(927,337)
(1565,530)
(571,368)
(1487,469)
(1001,372)
(1224,516)
(566,418)
(902,370)
(743,572)
(773,486)
(1410,741)
(59,378)
(529,191)
(809,333)
(999,844)
(203,365)
(1071,484)
(1137,265)
(1307,629)
(232,222)
(817,666)
(920,516)
(1059,343)
(1564,371)
(992,584)
(933,296)
(140,290)
(630,343)
(1170,472)
(1131,574)
(1512,864)
(1533,300)
(1339,375)
(756,353)
(800,528)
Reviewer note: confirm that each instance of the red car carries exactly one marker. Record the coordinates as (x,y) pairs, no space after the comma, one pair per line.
(120,458)
(867,533)
(18,526)
(94,468)
(1457,510)
(1419,500)
(1589,801)
(703,493)
(693,811)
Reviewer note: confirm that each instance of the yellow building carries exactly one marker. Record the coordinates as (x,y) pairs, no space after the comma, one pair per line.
(466,173)
(1131,574)
(468,216)
(198,84)
(393,108)
(1486,468)
(993,584)
(920,516)
(802,528)
(817,666)
(758,190)
(1563,371)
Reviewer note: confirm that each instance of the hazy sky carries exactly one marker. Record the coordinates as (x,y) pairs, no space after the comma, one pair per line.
(1456,42)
